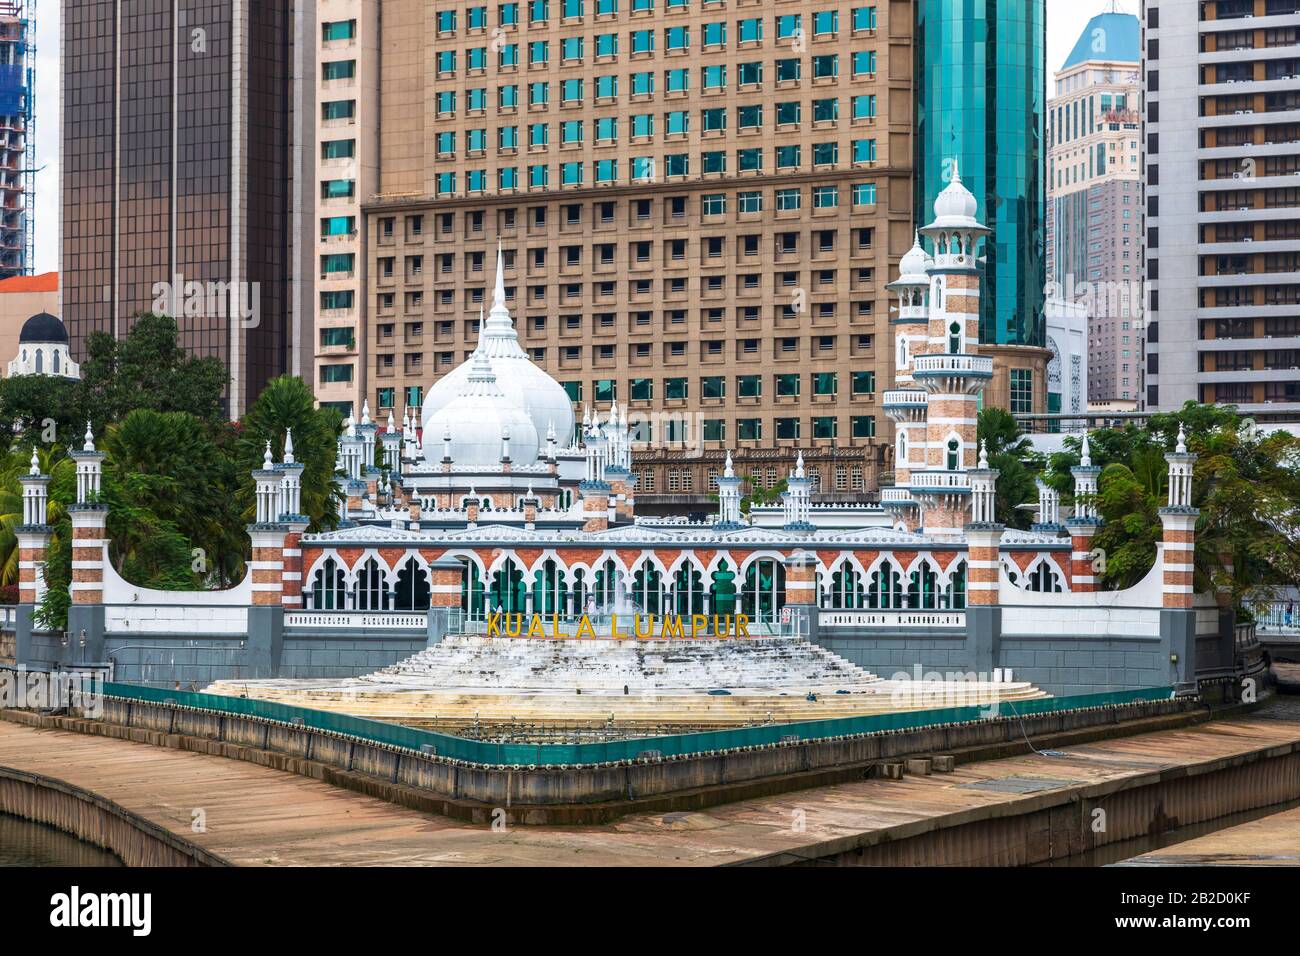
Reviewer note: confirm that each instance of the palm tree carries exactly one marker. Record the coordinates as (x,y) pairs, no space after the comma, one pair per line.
(15,464)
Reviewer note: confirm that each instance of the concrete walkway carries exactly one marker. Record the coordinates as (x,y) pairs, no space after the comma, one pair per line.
(1269,841)
(257,816)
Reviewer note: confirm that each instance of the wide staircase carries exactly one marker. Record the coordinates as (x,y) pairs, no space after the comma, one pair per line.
(497,687)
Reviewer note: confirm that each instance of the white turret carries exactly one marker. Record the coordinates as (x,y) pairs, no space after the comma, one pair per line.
(728,497)
(797,499)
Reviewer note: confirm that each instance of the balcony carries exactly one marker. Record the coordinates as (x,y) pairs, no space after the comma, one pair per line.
(952,373)
(905,404)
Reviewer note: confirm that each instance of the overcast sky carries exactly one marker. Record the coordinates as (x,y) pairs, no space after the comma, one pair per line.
(1065,21)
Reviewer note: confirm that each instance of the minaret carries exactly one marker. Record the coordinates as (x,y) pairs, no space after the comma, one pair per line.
(1049,509)
(33,534)
(1083,526)
(728,498)
(797,499)
(983,537)
(295,522)
(89,518)
(952,375)
(1178,564)
(905,403)
(391,441)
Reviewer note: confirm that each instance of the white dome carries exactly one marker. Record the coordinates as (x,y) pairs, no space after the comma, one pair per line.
(477,421)
(916,262)
(542,397)
(955,205)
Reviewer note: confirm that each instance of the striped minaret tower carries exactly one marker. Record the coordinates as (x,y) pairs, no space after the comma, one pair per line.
(983,535)
(952,375)
(89,519)
(33,534)
(1178,519)
(295,523)
(268,535)
(1084,525)
(905,403)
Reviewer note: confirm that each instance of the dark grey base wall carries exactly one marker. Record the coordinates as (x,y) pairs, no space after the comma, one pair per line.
(335,656)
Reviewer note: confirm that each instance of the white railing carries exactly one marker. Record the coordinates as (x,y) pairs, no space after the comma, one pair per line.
(957,364)
(956,480)
(906,396)
(403,620)
(869,618)
(1282,618)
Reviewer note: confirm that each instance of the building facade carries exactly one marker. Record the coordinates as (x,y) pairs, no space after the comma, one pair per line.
(1094,200)
(178,185)
(1222,149)
(979,112)
(699,204)
(17,135)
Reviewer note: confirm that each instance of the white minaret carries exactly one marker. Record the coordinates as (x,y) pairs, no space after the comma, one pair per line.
(797,500)
(1085,486)
(728,497)
(983,482)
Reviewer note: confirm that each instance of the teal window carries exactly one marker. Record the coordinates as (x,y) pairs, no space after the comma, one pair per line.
(675,389)
(787,157)
(826,197)
(446,184)
(573,389)
(571,90)
(638,5)
(338,226)
(643,167)
(713,386)
(571,174)
(643,41)
(385,397)
(476,18)
(539,53)
(508,178)
(825,383)
(787,385)
(539,11)
(787,200)
(643,124)
(715,34)
(864,383)
(788,113)
(641,389)
(606,86)
(826,66)
(749,117)
(446,21)
(606,170)
(677,121)
(864,106)
(507,97)
(539,176)
(507,137)
(826,154)
(414,395)
(476,180)
(339,30)
(864,150)
(603,390)
(825,426)
(864,62)
(826,22)
(334,337)
(337,188)
(789,26)
(749,202)
(677,38)
(476,140)
(447,101)
(714,77)
(643,83)
(677,81)
(749,429)
(789,69)
(339,70)
(1022,391)
(571,8)
(571,131)
(607,129)
(539,94)
(864,18)
(677,164)
(864,194)
(335,373)
(749,160)
(446,142)
(606,7)
(338,149)
(446,61)
(334,301)
(749,386)
(864,426)
(338,109)
(607,44)
(787,429)
(713,204)
(827,109)
(508,55)
(538,134)
(476,58)
(749,30)
(713,119)
(715,429)
(749,73)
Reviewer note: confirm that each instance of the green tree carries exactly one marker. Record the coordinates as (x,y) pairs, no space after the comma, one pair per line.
(45,408)
(287,403)
(1013,455)
(148,368)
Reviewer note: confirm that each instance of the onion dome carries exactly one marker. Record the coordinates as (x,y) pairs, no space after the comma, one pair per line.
(43,328)
(479,417)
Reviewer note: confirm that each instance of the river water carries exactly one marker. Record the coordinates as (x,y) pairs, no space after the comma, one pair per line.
(23,843)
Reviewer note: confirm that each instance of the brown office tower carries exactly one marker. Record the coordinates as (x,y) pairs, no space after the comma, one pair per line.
(699,203)
(178,178)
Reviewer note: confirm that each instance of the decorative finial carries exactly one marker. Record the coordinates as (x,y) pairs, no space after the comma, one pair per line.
(288,446)
(728,471)
(365,411)
(266,456)
(90,439)
(392,423)
(1181,447)
(36,464)
(798,465)
(984,453)
(499,293)
(1085,453)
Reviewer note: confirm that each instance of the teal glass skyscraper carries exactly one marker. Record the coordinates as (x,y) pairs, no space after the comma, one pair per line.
(980,109)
